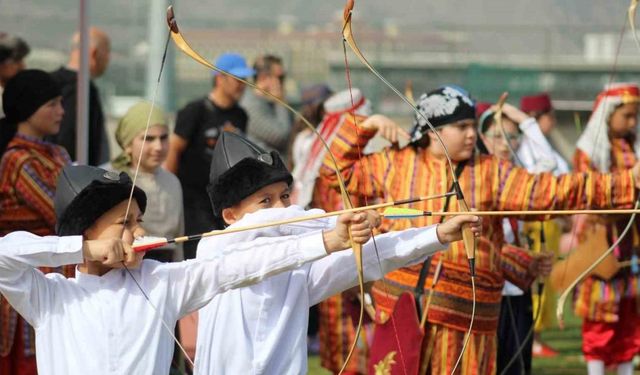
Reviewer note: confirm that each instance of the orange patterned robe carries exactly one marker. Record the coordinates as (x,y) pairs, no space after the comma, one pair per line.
(488,184)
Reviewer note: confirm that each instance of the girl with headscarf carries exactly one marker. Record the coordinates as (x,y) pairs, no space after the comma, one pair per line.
(504,140)
(609,308)
(339,110)
(164,216)
(29,169)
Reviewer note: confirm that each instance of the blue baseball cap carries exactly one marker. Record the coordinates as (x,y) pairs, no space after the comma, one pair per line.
(235,64)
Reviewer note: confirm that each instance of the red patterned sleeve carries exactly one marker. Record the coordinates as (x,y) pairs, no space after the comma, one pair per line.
(514,263)
(35,186)
(516,189)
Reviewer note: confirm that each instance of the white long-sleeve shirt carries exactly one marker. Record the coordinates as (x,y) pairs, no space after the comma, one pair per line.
(262,329)
(104,324)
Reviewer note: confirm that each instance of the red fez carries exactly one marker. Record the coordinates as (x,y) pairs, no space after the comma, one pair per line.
(481,107)
(536,103)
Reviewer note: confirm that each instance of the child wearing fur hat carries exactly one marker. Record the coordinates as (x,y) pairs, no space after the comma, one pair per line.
(164,216)
(29,168)
(244,331)
(111,317)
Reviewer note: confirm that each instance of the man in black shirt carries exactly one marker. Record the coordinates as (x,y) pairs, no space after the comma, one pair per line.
(198,126)
(67,77)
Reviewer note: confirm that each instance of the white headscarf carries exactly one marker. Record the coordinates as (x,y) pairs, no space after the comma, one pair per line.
(309,160)
(594,141)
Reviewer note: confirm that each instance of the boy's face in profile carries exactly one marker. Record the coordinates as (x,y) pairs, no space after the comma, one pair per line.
(111,224)
(276,195)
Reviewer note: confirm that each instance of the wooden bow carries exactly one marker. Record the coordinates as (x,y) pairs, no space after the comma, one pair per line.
(633,7)
(468,237)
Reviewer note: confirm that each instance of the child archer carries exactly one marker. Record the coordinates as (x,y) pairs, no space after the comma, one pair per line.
(244,331)
(110,317)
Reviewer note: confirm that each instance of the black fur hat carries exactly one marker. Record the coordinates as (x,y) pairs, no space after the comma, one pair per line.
(239,168)
(84,193)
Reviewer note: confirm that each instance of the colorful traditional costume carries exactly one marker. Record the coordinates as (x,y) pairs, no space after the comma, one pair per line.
(488,184)
(517,313)
(530,150)
(611,326)
(116,327)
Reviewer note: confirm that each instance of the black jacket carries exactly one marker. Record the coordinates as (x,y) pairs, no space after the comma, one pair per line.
(67,135)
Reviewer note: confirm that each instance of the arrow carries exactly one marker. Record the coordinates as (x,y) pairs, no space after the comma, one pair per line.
(160,242)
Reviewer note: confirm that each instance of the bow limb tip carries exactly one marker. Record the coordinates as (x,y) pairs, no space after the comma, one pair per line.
(348,7)
(502,100)
(560,309)
(171,20)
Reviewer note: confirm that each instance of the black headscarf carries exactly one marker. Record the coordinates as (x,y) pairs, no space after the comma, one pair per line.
(443,106)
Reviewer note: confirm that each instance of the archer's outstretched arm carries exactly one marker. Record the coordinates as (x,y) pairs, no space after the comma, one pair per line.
(516,189)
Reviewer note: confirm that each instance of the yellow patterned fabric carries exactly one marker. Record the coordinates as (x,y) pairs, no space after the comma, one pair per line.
(552,233)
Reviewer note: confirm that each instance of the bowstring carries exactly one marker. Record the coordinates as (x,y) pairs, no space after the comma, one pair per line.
(183,45)
(364,168)
(347,28)
(130,200)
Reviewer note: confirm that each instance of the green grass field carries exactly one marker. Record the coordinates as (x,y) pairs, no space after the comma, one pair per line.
(567,342)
